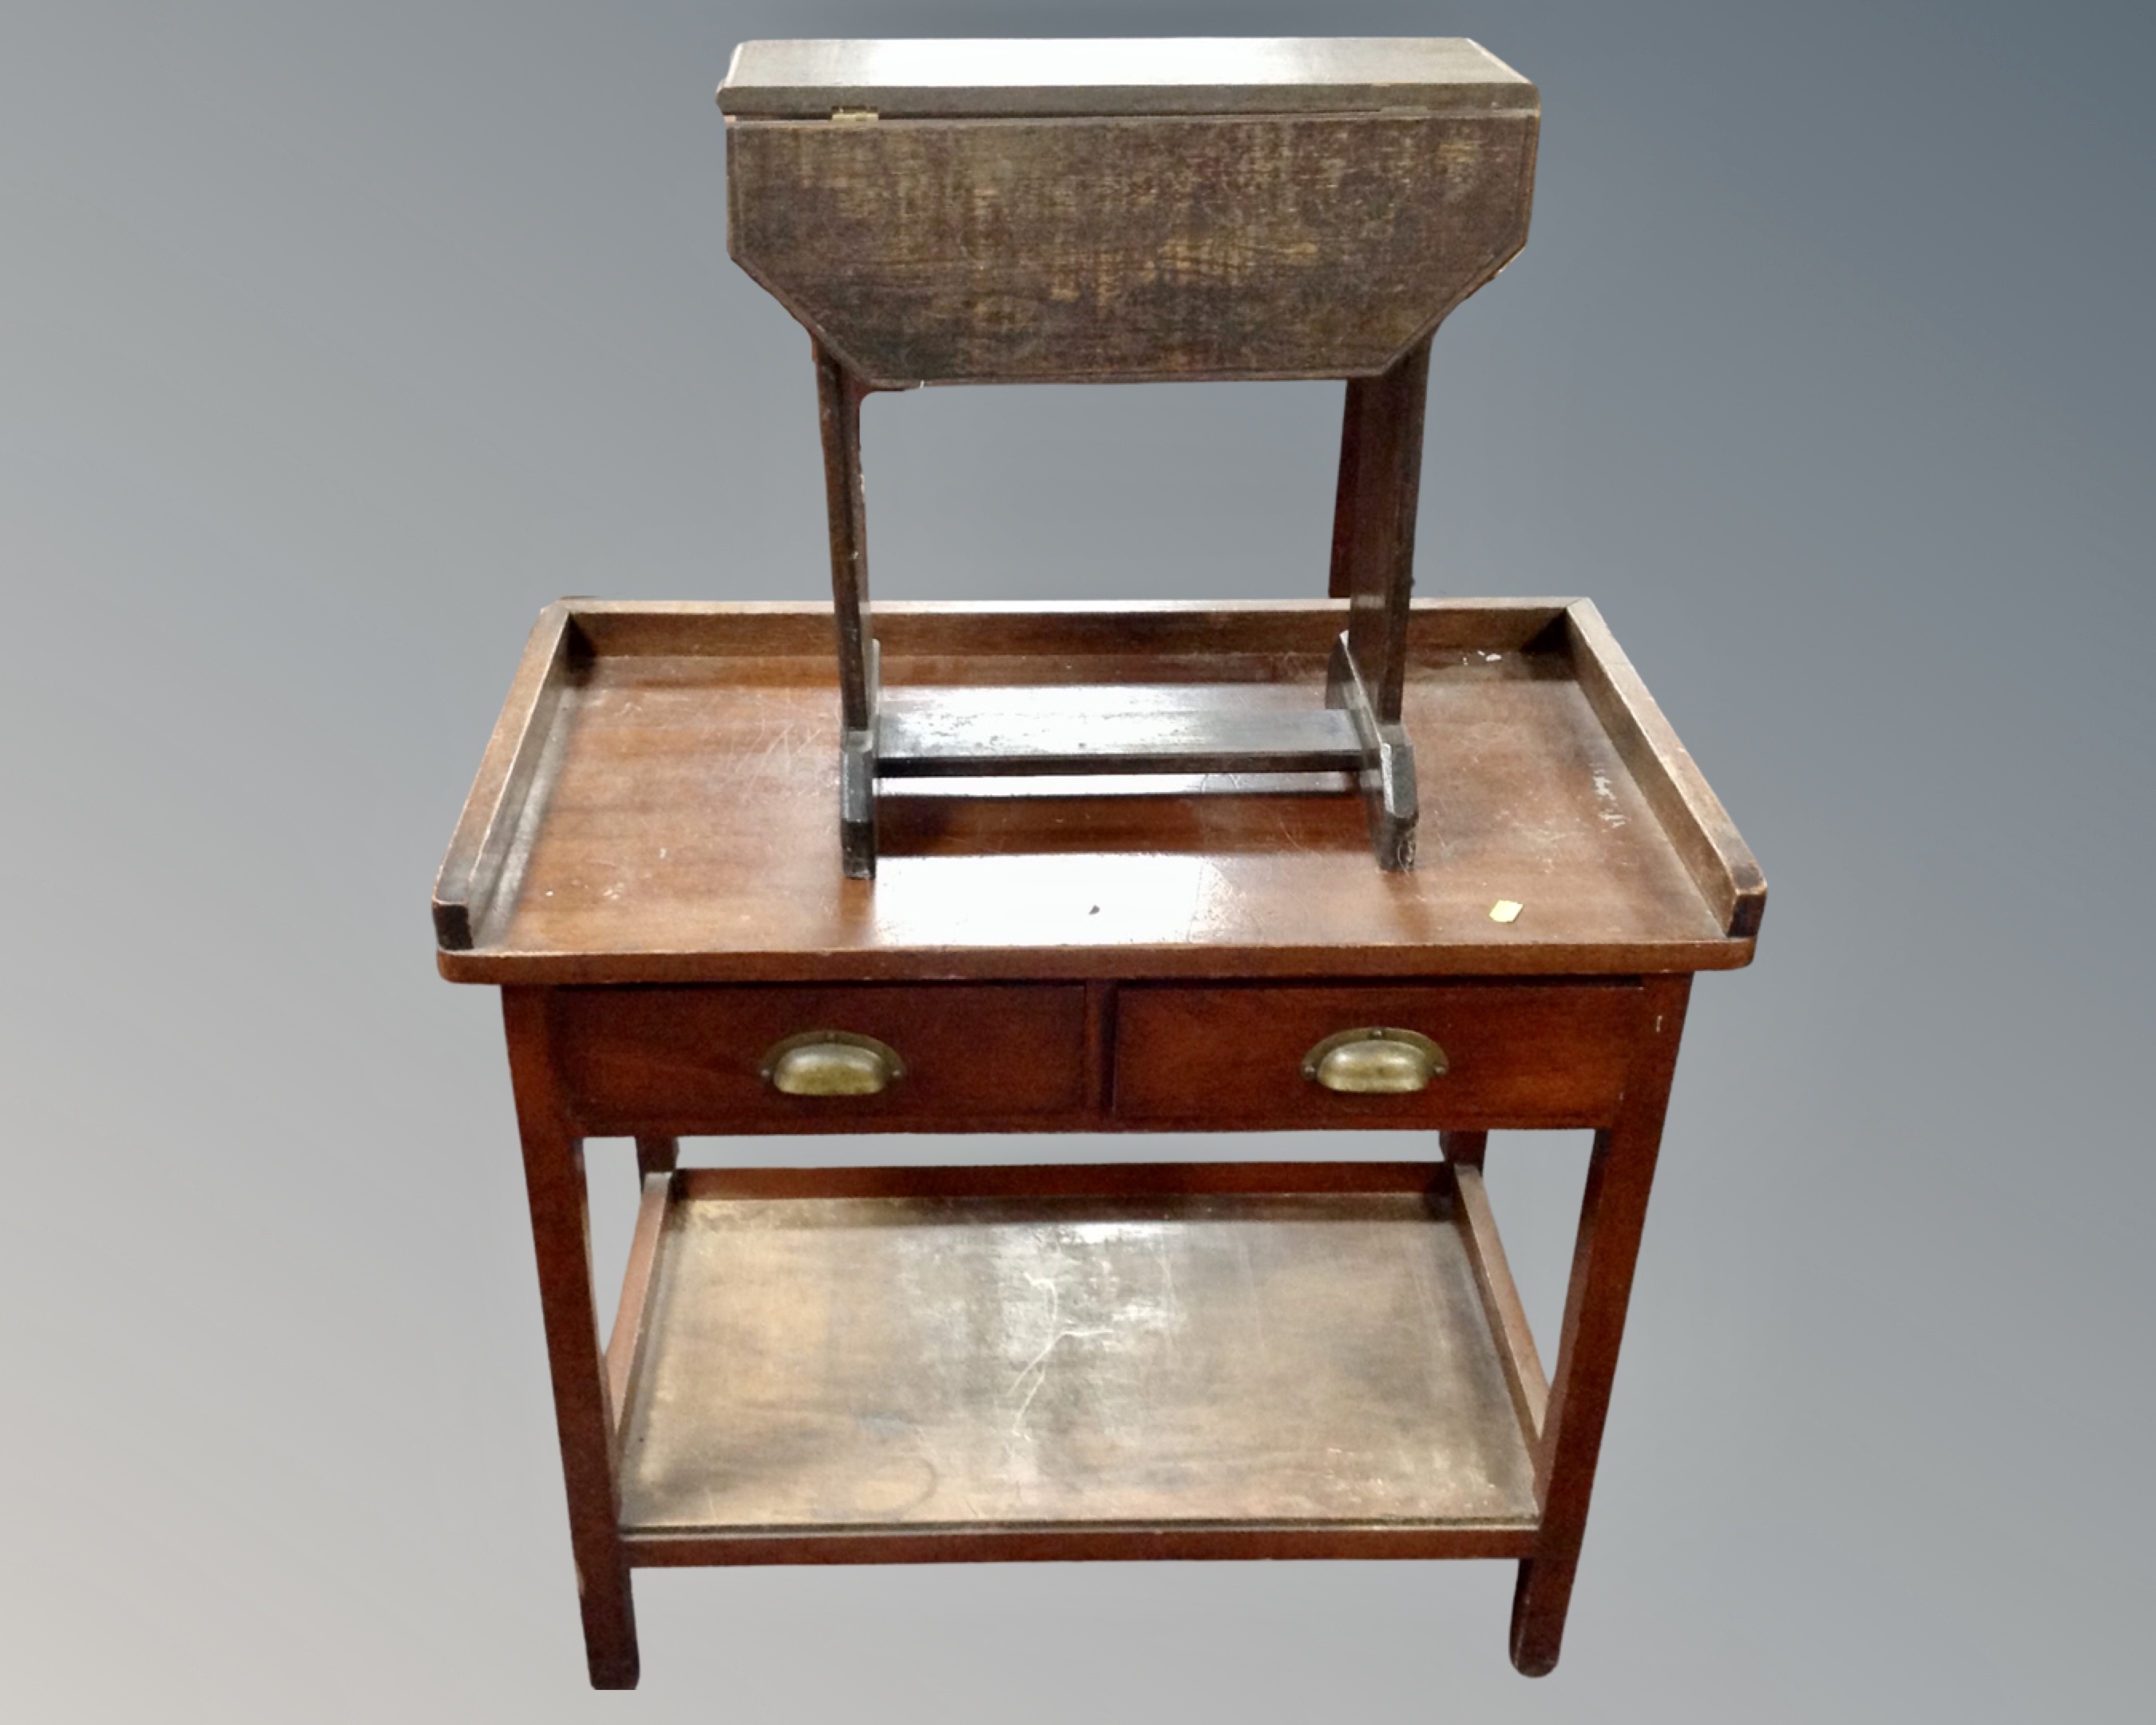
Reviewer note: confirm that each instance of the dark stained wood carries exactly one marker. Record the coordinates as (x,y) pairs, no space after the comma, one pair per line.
(656,1156)
(1165,1180)
(1214,1054)
(839,415)
(1501,1298)
(472,870)
(691,1060)
(1100,1047)
(1069,641)
(1322,225)
(1123,249)
(686,834)
(1232,1360)
(1387,776)
(624,1344)
(936,739)
(1464,1149)
(1613,1214)
(1067,1545)
(1379,553)
(1550,1055)
(1347,493)
(1720,861)
(1088,76)
(838,394)
(1373,533)
(560,1232)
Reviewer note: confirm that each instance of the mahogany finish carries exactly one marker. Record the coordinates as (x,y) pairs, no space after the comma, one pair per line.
(656,806)
(1534,1054)
(646,865)
(1094,868)
(688,1061)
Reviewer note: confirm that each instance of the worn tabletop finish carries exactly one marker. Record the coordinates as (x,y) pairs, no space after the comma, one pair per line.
(1110,1360)
(916,1362)
(1185,75)
(1358,864)
(678,826)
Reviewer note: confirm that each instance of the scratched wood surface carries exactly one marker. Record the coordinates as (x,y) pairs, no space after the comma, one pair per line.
(970,1361)
(1126,248)
(679,822)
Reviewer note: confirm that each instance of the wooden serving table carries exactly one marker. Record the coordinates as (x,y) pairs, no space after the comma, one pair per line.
(1215,1360)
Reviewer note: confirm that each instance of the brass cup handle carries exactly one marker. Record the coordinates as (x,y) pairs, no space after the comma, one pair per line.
(831,1063)
(1377,1061)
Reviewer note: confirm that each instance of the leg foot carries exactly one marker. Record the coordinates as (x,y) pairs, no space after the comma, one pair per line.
(610,1636)
(1539,1599)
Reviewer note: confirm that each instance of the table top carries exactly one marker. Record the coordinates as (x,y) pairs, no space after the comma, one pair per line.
(659,804)
(901,79)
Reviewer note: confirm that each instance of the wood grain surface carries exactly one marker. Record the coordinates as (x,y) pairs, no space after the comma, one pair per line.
(686,826)
(1663,768)
(1613,1214)
(980,1363)
(1232,1055)
(1124,250)
(690,1060)
(1203,1360)
(584,1414)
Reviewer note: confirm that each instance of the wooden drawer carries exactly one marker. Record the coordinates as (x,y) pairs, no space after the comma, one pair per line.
(692,1060)
(1531,1054)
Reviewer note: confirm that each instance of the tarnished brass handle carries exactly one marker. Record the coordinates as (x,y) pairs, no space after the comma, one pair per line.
(1379,1061)
(831,1063)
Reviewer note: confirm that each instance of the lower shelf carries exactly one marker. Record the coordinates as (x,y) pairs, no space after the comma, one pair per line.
(1202,1372)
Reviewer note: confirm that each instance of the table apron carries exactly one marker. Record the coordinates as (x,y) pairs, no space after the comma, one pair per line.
(1069,1056)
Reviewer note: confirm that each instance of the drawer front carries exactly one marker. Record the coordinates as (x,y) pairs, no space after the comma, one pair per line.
(694,1060)
(1533,1054)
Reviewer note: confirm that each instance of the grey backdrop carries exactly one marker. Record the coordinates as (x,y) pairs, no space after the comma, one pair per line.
(336,338)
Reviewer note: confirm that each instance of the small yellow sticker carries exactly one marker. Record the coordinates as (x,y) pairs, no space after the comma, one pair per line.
(1505,910)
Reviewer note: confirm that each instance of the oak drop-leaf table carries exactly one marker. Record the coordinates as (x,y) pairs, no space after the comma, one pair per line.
(902,1364)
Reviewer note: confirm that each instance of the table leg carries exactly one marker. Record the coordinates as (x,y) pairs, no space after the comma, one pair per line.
(656,1156)
(1346,498)
(1463,1149)
(1613,1213)
(560,1234)
(1373,530)
(838,396)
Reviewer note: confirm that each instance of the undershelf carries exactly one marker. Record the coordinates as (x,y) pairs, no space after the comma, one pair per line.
(1055,1373)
